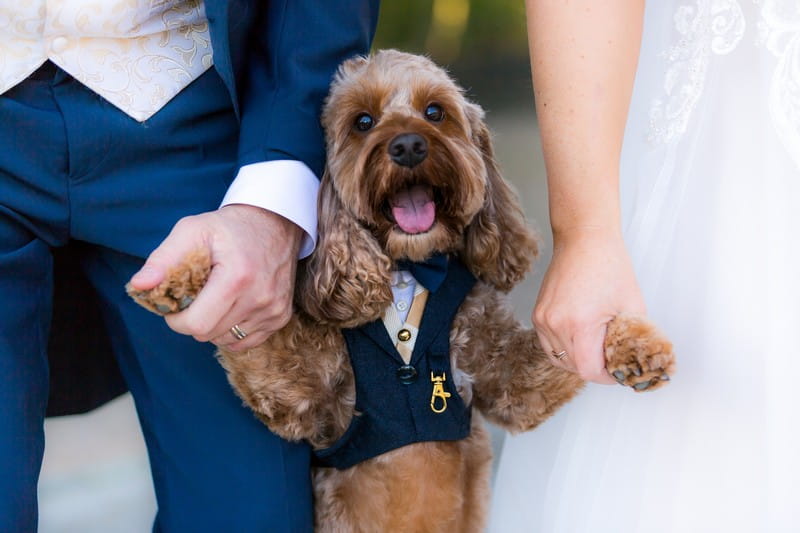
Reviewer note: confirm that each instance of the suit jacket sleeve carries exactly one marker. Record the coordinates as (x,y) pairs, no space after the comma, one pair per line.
(293,52)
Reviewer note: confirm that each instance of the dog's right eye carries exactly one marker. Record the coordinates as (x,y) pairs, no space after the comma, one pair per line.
(364,122)
(434,113)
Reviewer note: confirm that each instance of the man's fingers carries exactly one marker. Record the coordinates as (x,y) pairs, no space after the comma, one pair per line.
(204,319)
(252,340)
(245,286)
(237,332)
(148,277)
(227,301)
(185,238)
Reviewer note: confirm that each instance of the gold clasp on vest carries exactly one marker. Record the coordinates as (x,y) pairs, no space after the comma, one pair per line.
(439,392)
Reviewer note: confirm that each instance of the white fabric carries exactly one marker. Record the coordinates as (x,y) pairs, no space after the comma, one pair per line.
(137,54)
(286,187)
(404,289)
(711,189)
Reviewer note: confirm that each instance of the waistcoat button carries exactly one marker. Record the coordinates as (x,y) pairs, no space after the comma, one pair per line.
(407,374)
(404,335)
(59,44)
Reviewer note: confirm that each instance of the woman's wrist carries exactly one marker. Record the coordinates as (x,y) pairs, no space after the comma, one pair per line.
(600,231)
(588,207)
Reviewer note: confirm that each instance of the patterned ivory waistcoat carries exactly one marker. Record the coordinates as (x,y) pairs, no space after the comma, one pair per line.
(137,54)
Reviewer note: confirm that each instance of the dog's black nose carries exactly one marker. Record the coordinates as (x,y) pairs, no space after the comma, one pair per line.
(408,149)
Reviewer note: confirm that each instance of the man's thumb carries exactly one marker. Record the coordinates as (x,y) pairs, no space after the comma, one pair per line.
(150,275)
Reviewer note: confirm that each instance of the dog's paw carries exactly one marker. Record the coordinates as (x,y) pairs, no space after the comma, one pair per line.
(637,354)
(179,288)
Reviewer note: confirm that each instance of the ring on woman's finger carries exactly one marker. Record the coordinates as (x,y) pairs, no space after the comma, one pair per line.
(237,332)
(559,355)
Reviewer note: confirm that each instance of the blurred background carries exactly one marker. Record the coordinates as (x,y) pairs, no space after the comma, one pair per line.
(483,43)
(95,476)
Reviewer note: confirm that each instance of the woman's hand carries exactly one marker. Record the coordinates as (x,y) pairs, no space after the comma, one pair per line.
(583,57)
(589,281)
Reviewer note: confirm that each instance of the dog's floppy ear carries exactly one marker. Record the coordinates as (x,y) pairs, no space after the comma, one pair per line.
(499,246)
(346,282)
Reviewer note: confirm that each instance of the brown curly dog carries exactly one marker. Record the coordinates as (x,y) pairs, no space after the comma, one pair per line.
(410,176)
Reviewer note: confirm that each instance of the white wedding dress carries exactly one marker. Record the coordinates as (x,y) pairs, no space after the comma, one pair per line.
(711,203)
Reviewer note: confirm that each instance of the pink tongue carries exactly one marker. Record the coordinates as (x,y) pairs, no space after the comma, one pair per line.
(414,209)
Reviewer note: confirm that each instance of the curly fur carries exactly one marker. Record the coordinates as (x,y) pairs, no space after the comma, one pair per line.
(300,383)
(480,218)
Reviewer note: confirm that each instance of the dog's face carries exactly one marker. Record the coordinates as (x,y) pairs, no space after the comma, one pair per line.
(404,153)
(410,173)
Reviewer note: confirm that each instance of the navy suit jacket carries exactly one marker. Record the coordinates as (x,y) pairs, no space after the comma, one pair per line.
(276,58)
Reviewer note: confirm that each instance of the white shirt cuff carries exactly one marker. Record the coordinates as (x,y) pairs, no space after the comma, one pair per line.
(285,187)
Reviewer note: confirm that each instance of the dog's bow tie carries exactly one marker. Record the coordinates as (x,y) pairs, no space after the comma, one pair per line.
(430,273)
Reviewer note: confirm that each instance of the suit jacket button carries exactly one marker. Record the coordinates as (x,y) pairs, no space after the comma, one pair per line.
(407,374)
(404,335)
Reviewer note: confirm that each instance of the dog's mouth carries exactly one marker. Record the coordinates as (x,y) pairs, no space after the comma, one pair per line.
(413,209)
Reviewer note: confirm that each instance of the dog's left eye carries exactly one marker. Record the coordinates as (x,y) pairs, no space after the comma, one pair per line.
(364,122)
(434,113)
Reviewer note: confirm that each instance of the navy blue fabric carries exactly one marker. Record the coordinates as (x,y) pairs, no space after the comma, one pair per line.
(74,168)
(277,58)
(430,273)
(392,413)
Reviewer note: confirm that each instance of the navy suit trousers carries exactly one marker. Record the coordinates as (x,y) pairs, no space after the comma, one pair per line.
(73,167)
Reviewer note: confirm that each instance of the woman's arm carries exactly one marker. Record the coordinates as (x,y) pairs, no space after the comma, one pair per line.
(583,56)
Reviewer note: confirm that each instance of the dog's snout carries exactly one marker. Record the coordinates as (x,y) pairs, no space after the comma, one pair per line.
(408,149)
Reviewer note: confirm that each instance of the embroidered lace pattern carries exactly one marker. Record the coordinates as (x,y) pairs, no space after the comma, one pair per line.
(779,33)
(705,28)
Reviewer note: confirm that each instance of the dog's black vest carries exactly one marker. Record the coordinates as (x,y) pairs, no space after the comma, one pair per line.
(393,400)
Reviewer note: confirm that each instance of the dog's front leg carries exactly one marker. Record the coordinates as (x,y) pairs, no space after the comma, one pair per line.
(515,385)
(299,382)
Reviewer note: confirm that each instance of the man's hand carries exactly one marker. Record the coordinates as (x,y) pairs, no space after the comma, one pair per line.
(253,263)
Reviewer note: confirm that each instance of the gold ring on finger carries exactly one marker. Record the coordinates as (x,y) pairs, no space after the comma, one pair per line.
(238,333)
